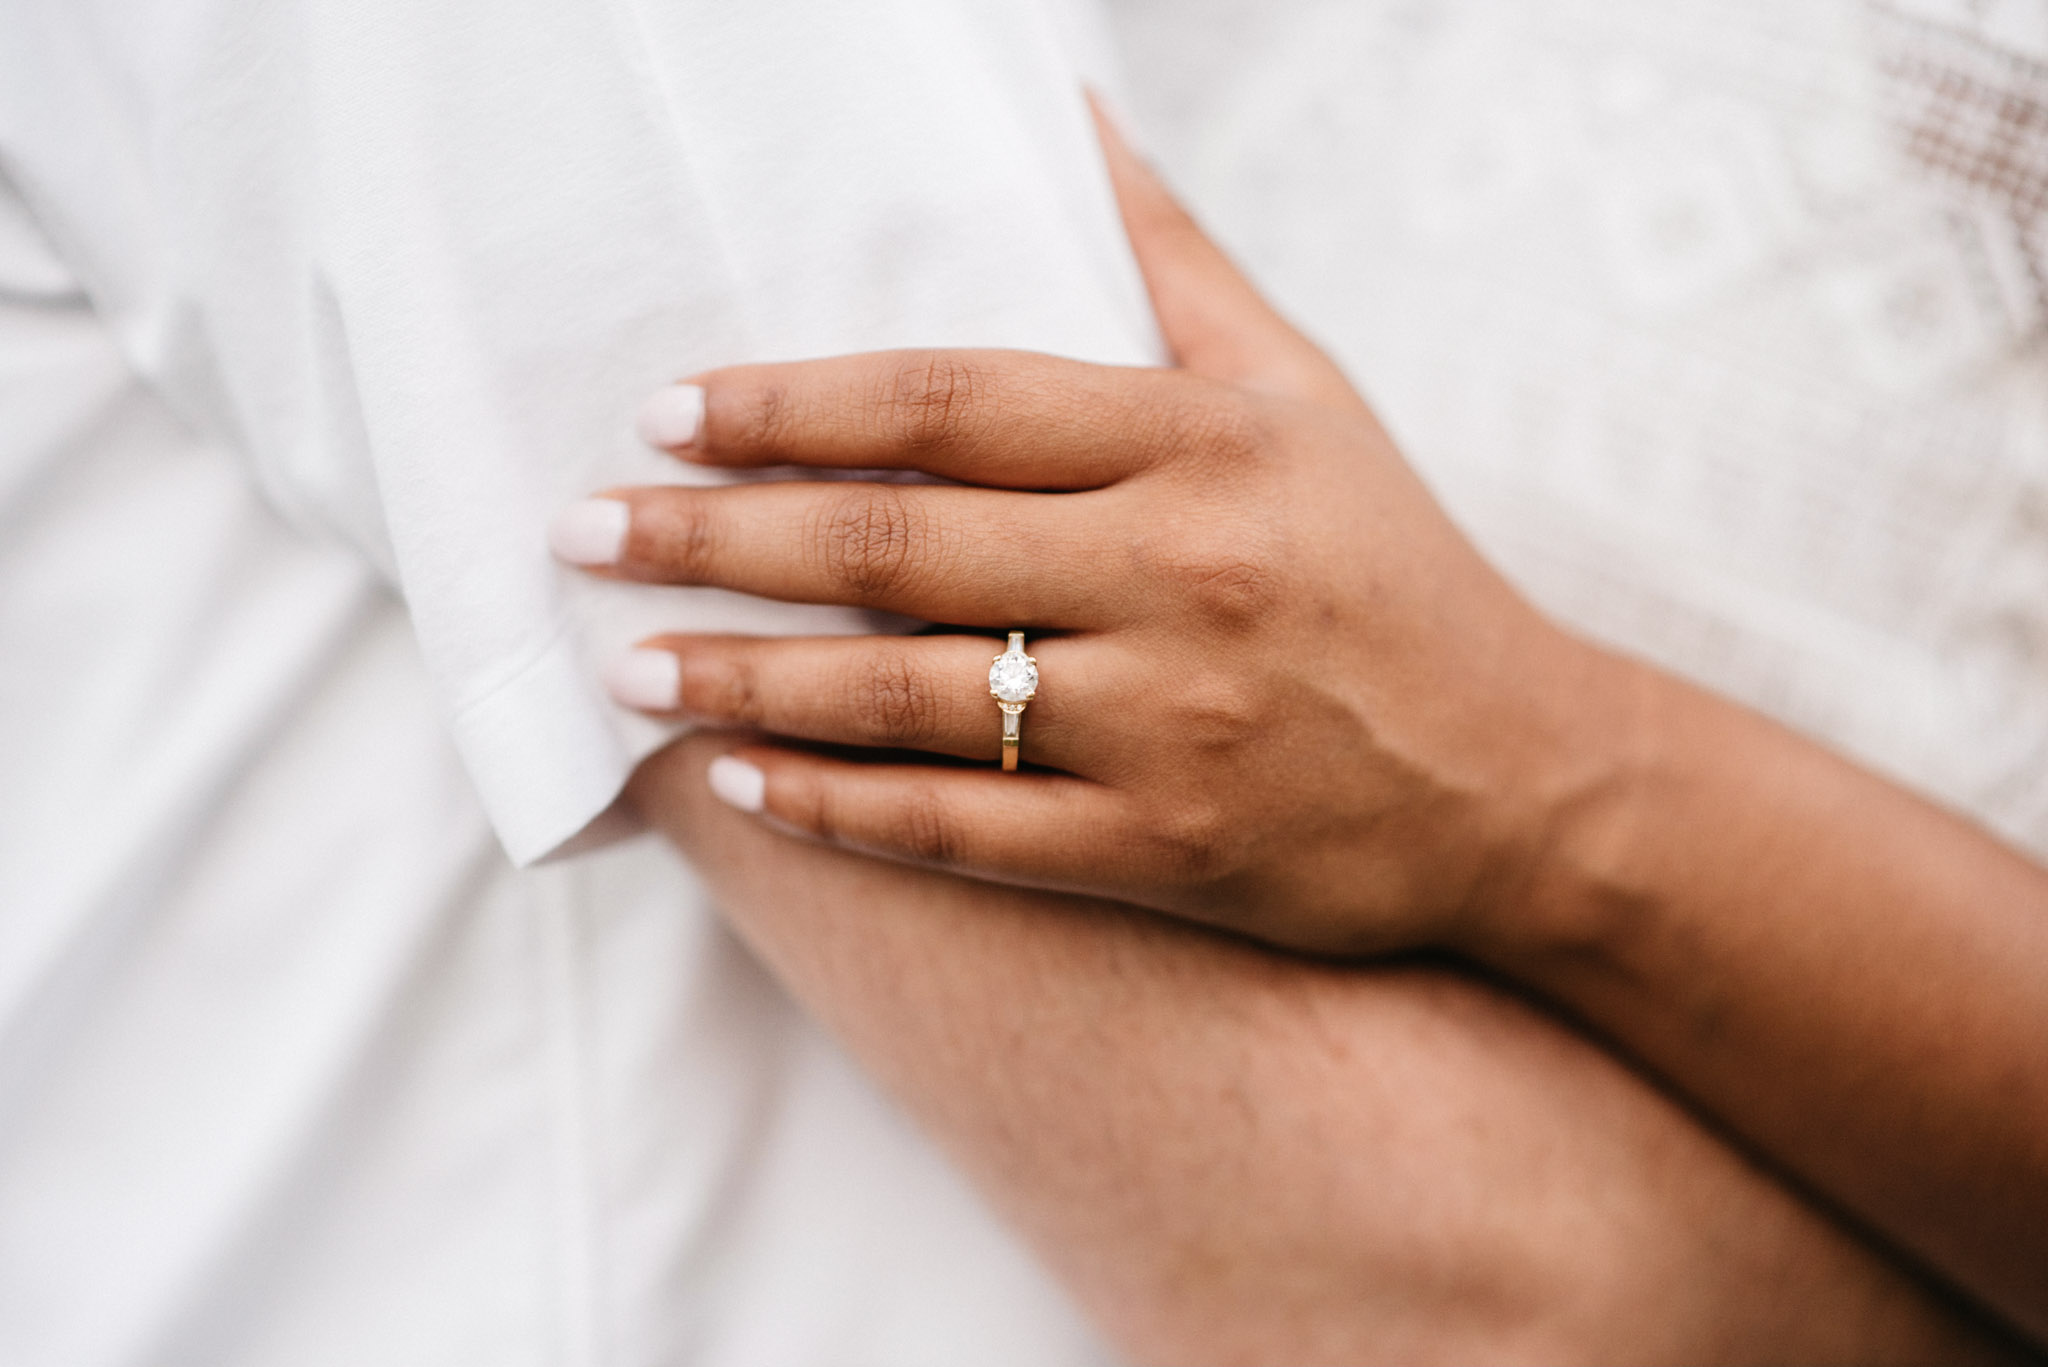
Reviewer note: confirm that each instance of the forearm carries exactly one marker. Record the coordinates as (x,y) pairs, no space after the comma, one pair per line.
(1235,1156)
(1852,978)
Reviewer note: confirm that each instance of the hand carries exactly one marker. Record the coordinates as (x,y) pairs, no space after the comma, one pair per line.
(1281,694)
(1279,691)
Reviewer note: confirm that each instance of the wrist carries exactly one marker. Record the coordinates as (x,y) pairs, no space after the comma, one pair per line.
(1578,795)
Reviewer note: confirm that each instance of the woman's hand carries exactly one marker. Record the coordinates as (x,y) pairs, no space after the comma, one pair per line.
(1278,690)
(1282,694)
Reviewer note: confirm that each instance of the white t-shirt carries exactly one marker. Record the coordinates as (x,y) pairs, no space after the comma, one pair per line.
(311,313)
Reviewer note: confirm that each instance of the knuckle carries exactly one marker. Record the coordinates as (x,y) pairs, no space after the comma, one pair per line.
(1224,431)
(894,703)
(935,398)
(1190,841)
(1226,570)
(809,805)
(765,419)
(1220,715)
(1230,588)
(730,692)
(870,539)
(925,829)
(688,536)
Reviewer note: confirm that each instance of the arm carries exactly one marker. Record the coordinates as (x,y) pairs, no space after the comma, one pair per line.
(1236,1156)
(1854,977)
(1284,695)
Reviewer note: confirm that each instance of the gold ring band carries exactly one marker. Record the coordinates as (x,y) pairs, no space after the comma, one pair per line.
(1013,682)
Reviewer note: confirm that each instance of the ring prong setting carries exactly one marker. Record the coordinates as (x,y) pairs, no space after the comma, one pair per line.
(1013,679)
(1013,682)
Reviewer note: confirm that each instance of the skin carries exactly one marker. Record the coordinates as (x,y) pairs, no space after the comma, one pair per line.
(1290,700)
(1233,1156)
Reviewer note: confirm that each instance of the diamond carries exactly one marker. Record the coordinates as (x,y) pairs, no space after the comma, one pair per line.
(1013,677)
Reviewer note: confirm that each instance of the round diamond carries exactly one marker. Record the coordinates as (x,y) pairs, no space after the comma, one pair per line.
(1013,677)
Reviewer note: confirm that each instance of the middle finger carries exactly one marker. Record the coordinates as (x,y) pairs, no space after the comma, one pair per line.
(976,557)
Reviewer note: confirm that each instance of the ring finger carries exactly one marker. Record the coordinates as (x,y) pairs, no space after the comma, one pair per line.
(927,693)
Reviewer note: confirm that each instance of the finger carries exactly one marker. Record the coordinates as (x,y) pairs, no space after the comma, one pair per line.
(1040,830)
(926,693)
(1007,419)
(667,791)
(1215,321)
(973,557)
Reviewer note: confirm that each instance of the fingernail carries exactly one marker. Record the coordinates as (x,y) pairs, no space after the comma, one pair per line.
(651,680)
(592,532)
(738,783)
(673,417)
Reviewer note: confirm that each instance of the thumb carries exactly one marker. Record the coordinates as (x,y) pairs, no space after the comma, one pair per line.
(1214,321)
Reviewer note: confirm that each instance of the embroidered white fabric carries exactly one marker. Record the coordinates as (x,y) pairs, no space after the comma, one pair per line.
(1719,323)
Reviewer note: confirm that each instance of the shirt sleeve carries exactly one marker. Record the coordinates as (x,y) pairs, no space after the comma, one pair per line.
(420,273)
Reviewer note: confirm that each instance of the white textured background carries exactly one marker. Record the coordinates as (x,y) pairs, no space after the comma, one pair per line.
(1719,323)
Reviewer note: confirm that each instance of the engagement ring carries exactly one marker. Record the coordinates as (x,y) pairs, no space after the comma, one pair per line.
(1012,682)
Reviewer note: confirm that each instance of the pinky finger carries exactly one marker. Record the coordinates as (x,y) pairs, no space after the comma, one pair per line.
(1048,831)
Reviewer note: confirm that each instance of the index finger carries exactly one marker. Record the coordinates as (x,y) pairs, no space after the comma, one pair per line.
(1003,419)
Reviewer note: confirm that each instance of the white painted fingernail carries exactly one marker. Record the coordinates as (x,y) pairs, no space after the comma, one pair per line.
(673,417)
(592,532)
(651,680)
(738,783)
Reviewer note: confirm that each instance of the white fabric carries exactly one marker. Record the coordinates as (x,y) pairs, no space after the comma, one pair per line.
(1721,324)
(295,1066)
(418,263)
